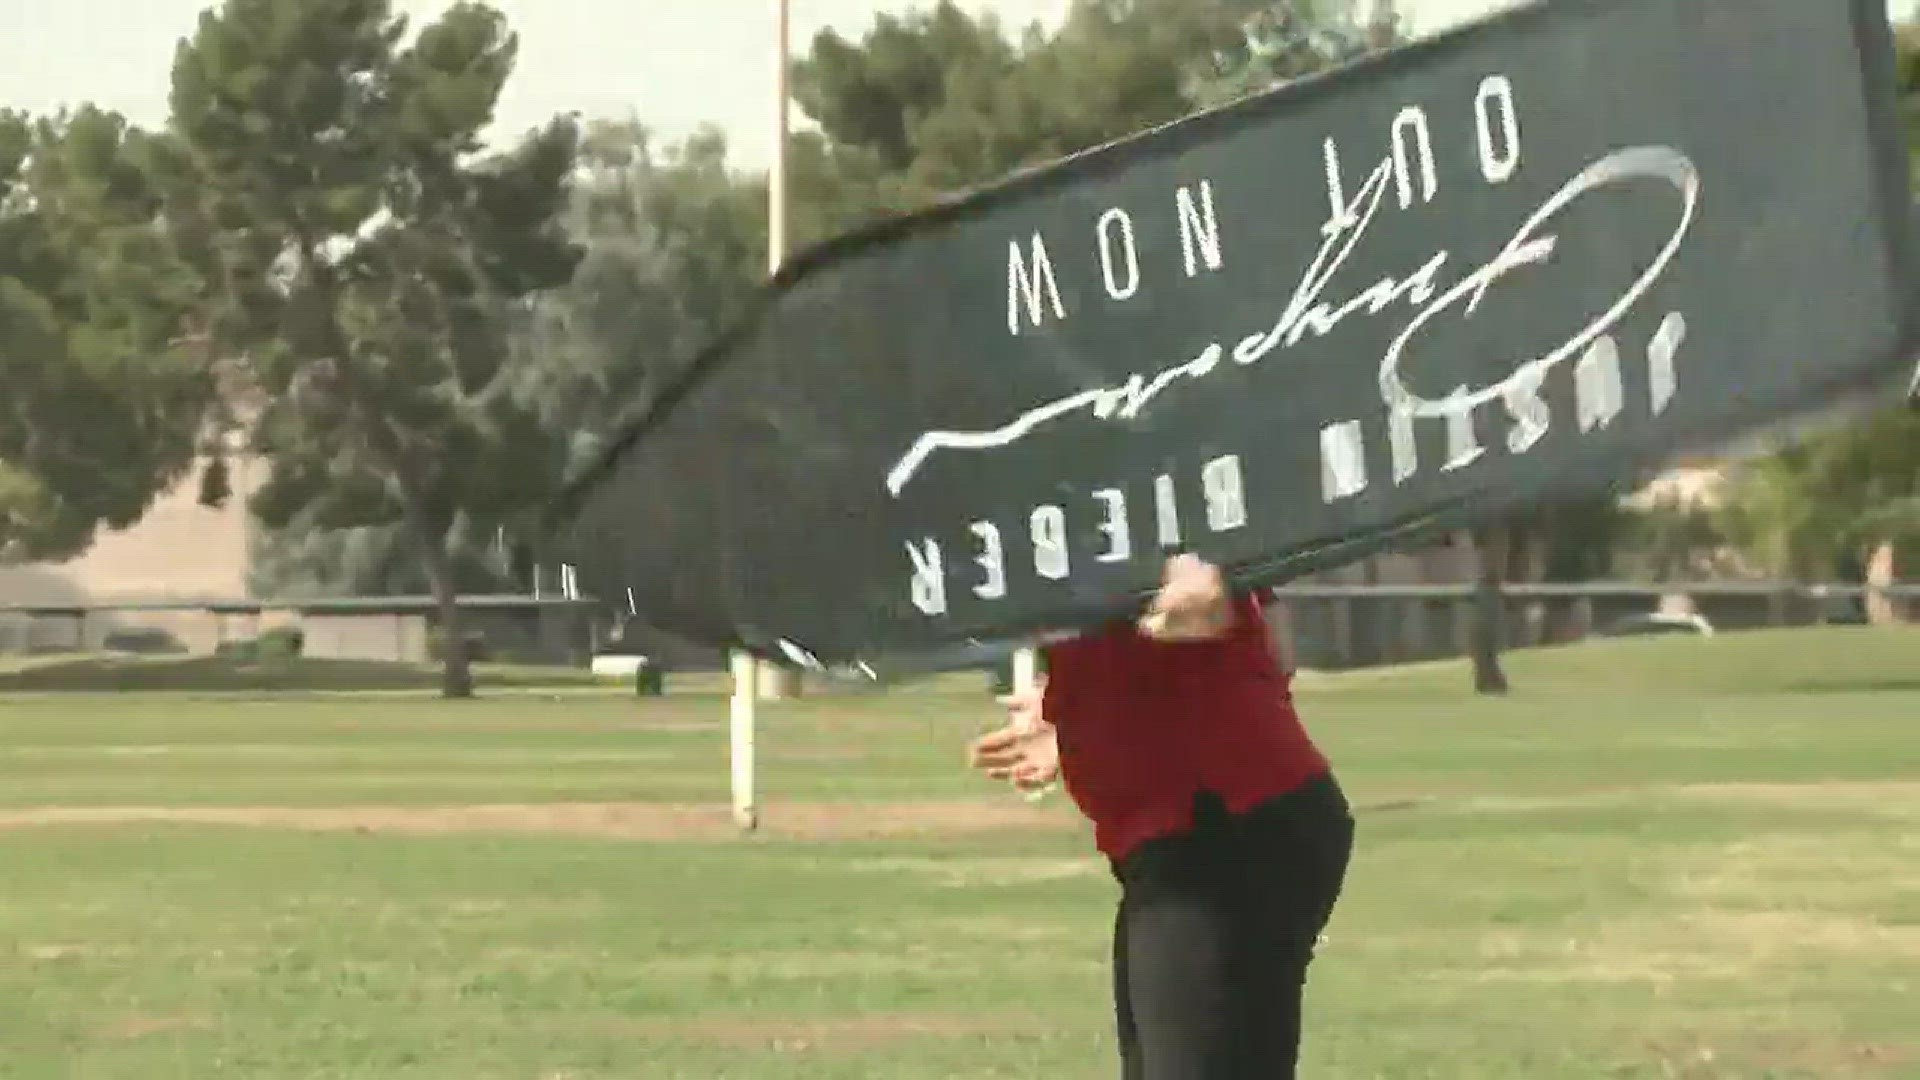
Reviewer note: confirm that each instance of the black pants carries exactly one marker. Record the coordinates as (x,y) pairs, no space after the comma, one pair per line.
(1215,932)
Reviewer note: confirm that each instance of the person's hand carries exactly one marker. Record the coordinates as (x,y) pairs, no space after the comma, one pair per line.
(1192,604)
(1029,758)
(1025,752)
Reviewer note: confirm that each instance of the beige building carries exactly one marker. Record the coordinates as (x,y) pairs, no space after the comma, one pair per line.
(188,554)
(181,551)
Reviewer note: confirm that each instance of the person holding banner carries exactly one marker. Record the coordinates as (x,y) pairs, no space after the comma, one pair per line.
(1219,817)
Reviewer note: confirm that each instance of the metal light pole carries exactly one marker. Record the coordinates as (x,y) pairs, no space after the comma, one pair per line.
(777,176)
(778,681)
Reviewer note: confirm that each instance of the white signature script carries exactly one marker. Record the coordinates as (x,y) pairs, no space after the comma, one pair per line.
(1307,313)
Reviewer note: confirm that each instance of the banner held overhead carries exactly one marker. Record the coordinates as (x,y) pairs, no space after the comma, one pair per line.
(1527,259)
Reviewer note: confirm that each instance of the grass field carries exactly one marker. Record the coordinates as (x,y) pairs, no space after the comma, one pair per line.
(1656,859)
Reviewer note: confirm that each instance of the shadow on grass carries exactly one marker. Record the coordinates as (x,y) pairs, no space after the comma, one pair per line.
(210,674)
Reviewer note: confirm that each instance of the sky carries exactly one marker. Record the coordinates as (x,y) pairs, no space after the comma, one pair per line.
(676,64)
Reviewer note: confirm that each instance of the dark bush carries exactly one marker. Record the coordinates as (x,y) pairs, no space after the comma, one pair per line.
(650,678)
(282,643)
(244,652)
(144,641)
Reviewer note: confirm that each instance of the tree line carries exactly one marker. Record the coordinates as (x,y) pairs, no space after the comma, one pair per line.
(319,263)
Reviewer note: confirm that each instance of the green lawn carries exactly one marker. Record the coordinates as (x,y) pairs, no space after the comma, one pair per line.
(1656,859)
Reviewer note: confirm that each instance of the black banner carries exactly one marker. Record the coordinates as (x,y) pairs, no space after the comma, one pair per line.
(1523,260)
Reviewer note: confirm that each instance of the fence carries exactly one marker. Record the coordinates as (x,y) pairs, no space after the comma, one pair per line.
(1335,626)
(548,630)
(1341,626)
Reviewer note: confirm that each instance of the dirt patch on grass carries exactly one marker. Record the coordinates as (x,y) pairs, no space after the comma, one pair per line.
(1750,1054)
(840,1032)
(1884,798)
(672,727)
(627,821)
(819,756)
(141,1027)
(1811,872)
(1022,929)
(1604,962)
(967,873)
(1687,946)
(1893,798)
(1762,932)
(812,965)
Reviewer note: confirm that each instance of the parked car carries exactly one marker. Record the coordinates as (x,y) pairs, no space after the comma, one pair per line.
(1656,623)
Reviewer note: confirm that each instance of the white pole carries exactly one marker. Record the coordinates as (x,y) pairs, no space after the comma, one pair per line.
(746,670)
(1026,676)
(777,175)
(1026,669)
(745,701)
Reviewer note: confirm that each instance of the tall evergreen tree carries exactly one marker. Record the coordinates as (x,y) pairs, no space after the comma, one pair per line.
(106,385)
(368,259)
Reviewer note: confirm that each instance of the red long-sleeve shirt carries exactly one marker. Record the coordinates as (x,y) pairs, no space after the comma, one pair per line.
(1144,726)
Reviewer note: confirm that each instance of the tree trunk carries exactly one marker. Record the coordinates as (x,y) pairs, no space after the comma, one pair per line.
(1489,610)
(456,672)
